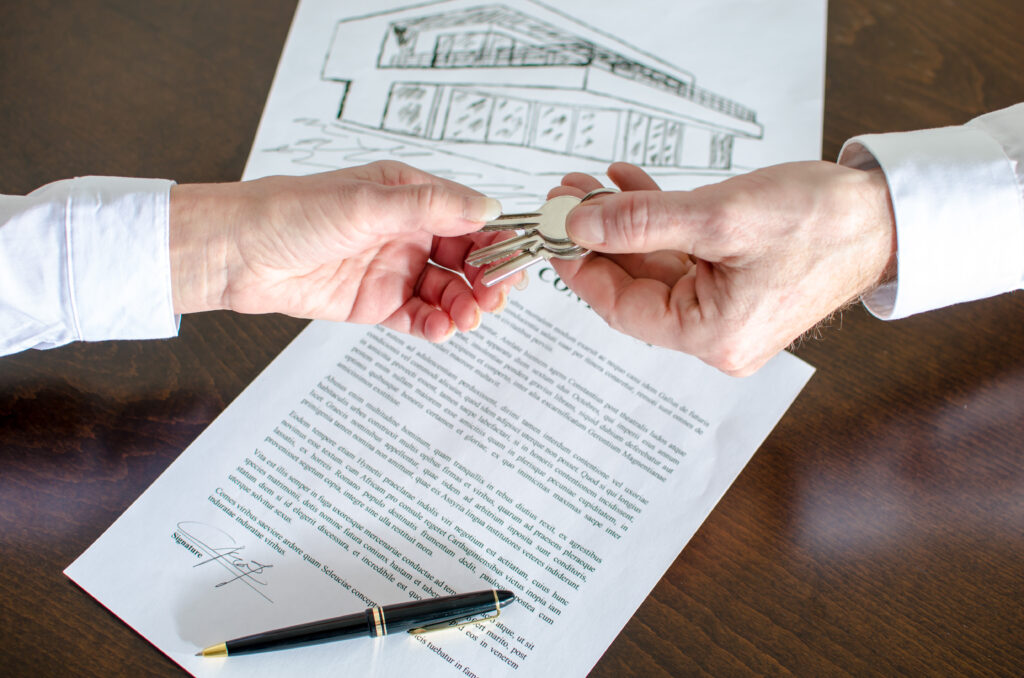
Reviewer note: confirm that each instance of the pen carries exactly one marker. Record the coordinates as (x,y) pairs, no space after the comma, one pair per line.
(418,616)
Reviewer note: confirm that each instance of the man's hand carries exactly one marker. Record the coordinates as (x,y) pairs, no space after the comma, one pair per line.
(379,243)
(733,272)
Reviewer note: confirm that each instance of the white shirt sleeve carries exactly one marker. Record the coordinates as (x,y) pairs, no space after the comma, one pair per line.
(958,198)
(85,259)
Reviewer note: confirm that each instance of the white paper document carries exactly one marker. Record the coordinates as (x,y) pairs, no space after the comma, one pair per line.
(543,453)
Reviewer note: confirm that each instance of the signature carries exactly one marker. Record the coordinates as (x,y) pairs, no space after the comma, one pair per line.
(218,548)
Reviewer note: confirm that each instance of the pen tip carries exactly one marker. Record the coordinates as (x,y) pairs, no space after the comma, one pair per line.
(220,650)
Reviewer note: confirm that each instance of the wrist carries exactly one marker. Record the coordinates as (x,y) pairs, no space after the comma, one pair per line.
(199,217)
(882,264)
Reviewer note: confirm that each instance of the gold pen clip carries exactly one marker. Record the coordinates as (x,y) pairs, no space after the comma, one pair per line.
(457,623)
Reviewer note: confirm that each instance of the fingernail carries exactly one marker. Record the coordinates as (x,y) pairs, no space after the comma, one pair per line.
(523,281)
(450,333)
(481,208)
(586,225)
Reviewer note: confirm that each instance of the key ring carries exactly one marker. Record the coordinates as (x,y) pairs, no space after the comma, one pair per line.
(598,191)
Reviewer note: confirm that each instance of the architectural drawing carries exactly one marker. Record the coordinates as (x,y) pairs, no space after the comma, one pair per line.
(518,74)
(506,96)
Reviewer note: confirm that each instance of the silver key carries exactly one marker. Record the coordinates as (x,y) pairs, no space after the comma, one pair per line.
(496,274)
(544,237)
(536,227)
(525,242)
(501,250)
(548,221)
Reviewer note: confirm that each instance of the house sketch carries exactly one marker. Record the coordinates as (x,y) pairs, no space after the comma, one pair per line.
(520,79)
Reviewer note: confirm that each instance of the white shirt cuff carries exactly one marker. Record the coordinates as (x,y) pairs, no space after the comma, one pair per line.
(118,258)
(959,216)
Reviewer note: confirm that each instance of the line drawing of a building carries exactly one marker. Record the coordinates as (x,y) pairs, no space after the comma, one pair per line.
(521,79)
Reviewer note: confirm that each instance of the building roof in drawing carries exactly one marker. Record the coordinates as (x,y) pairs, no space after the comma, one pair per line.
(539,44)
(499,15)
(543,23)
(535,35)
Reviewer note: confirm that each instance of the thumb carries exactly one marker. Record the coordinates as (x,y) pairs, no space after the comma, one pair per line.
(438,209)
(643,221)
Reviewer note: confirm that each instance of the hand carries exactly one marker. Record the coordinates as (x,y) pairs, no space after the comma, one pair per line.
(732,272)
(368,244)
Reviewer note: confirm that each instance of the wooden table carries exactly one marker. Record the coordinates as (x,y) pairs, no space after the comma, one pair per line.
(878,531)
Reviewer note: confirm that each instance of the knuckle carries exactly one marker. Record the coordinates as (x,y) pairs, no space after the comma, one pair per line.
(733,355)
(430,198)
(728,361)
(387,166)
(616,324)
(633,221)
(394,172)
(362,195)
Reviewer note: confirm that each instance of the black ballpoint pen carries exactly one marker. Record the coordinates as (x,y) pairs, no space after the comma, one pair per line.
(417,616)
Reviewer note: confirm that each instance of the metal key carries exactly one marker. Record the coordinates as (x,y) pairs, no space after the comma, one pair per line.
(539,252)
(549,220)
(536,226)
(544,238)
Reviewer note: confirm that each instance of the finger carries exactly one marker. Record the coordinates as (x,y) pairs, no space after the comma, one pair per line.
(626,176)
(669,315)
(583,182)
(447,291)
(576,184)
(431,207)
(645,308)
(666,266)
(493,299)
(419,319)
(451,253)
(428,190)
(565,190)
(649,220)
(631,178)
(396,173)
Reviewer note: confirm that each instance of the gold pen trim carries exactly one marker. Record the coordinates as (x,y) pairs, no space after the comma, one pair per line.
(219,650)
(379,627)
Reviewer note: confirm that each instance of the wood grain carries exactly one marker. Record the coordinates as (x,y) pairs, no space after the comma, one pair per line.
(879,530)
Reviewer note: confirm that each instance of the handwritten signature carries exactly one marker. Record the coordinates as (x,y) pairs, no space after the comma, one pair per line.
(219,548)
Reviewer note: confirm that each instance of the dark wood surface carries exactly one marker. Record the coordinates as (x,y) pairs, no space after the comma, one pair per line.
(878,531)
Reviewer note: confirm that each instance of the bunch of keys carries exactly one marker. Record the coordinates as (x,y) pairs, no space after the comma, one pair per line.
(544,237)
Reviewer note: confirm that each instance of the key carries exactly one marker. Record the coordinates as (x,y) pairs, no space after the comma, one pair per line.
(505,248)
(529,222)
(496,274)
(536,230)
(544,238)
(548,221)
(500,250)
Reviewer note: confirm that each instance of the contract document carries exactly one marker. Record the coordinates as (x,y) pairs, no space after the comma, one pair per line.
(543,453)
